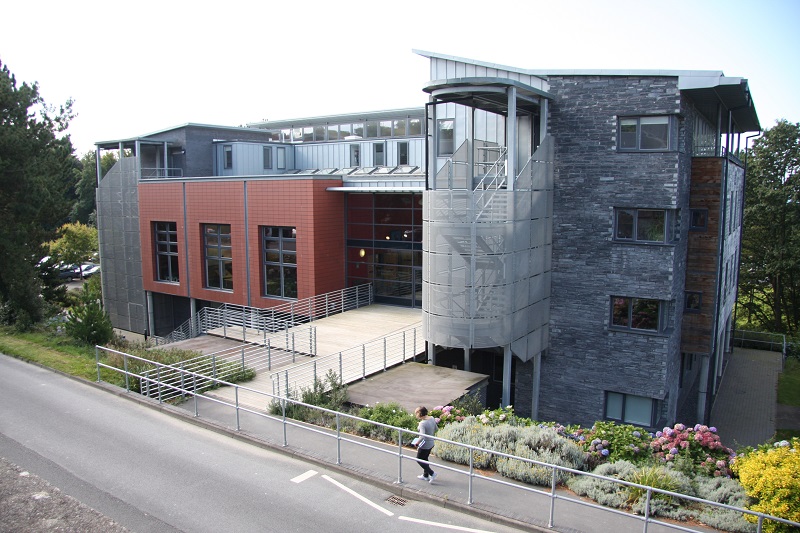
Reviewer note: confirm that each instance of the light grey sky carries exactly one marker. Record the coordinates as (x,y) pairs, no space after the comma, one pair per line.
(137,67)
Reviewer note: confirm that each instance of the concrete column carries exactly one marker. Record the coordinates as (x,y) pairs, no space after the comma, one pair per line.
(150,314)
(507,355)
(702,393)
(511,138)
(537,376)
(430,349)
(467,352)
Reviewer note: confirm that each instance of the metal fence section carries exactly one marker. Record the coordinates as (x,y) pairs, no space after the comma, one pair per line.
(758,340)
(188,385)
(254,324)
(279,349)
(350,365)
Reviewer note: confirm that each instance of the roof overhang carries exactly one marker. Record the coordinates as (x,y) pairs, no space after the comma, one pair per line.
(725,94)
(487,93)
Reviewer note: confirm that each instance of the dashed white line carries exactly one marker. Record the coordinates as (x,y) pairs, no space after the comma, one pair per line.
(439,524)
(305,476)
(359,496)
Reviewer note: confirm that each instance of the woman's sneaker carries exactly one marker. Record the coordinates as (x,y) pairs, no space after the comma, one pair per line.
(433,476)
(423,477)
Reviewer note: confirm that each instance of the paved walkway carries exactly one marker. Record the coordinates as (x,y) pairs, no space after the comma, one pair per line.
(745,409)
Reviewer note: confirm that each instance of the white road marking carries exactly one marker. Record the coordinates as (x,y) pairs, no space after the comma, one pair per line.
(438,524)
(303,477)
(359,496)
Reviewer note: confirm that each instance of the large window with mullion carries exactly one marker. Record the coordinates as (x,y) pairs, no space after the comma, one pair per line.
(645,134)
(637,314)
(218,256)
(279,248)
(166,241)
(630,409)
(644,225)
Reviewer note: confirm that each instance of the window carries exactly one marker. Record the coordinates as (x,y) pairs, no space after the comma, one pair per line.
(279,245)
(445,138)
(698,220)
(372,128)
(319,133)
(378,154)
(166,238)
(219,257)
(281,158)
(638,314)
(694,300)
(644,225)
(644,133)
(227,156)
(399,128)
(630,409)
(267,157)
(402,153)
(355,155)
(385,128)
(414,126)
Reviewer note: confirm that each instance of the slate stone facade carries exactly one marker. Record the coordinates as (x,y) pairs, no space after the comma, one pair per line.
(587,357)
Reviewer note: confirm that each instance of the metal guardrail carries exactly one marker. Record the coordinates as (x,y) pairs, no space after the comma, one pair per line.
(349,365)
(160,173)
(759,340)
(188,386)
(254,324)
(279,349)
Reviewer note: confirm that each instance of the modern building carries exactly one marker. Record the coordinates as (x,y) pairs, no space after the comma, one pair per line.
(572,234)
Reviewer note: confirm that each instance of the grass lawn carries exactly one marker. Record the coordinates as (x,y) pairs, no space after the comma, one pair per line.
(789,383)
(58,352)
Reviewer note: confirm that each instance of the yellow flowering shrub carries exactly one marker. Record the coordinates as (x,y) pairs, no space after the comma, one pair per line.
(769,475)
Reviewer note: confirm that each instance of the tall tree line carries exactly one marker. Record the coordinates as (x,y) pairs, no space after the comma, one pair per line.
(769,281)
(42,186)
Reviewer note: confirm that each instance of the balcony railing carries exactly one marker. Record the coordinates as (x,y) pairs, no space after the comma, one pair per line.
(160,173)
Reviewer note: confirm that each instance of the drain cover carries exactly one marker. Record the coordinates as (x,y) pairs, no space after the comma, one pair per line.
(397,500)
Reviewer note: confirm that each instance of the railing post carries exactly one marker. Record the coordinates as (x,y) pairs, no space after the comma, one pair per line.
(97,363)
(384,354)
(326,305)
(158,380)
(225,321)
(415,342)
(315,372)
(183,384)
(399,455)
(269,354)
(363,361)
(286,380)
(338,440)
(127,377)
(196,412)
(471,476)
(341,372)
(343,300)
(403,358)
(242,358)
(214,366)
(293,351)
(310,340)
(236,396)
(551,520)
(647,509)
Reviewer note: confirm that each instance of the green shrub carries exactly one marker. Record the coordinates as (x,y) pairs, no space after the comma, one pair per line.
(657,477)
(544,445)
(769,475)
(469,404)
(386,413)
(602,491)
(329,393)
(89,323)
(723,490)
(608,441)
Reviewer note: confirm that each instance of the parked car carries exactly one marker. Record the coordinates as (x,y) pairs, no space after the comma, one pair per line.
(68,271)
(89,269)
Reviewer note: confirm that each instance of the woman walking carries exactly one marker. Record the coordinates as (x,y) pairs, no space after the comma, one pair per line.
(427,427)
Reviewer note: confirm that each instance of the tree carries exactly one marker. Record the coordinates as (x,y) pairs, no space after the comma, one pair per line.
(769,287)
(76,243)
(87,321)
(85,208)
(37,176)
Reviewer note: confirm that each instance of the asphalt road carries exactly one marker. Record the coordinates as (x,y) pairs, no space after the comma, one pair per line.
(147,471)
